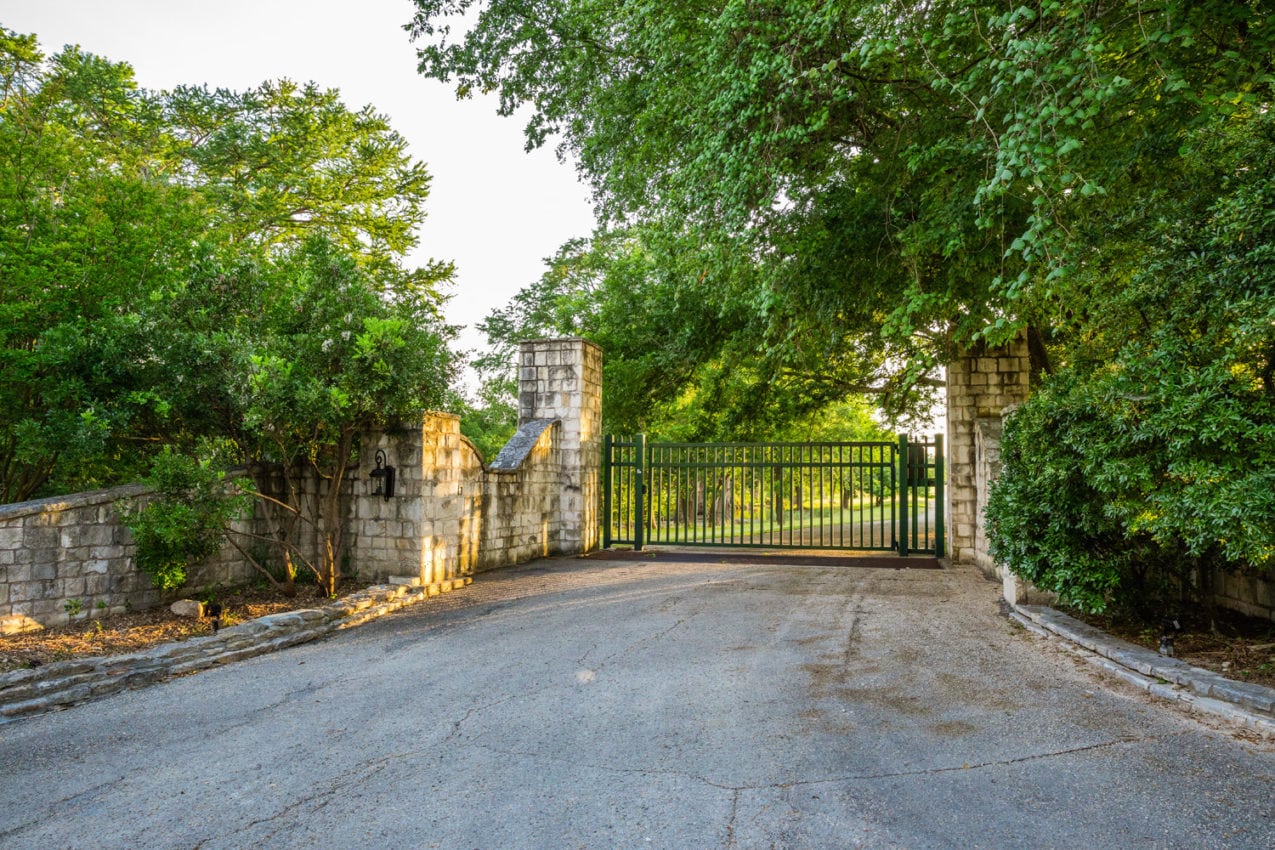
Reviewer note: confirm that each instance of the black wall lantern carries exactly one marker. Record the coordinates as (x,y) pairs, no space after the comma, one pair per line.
(382,477)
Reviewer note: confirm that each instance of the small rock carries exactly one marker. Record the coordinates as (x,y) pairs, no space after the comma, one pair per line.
(187,608)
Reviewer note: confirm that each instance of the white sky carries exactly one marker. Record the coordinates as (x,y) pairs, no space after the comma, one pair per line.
(494,210)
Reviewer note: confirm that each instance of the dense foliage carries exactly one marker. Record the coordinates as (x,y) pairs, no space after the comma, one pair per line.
(204,268)
(1156,447)
(874,184)
(839,197)
(679,364)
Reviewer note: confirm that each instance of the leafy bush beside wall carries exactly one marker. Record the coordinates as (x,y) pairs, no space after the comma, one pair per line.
(186,520)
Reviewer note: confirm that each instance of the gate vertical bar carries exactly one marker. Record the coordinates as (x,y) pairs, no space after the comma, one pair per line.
(901,492)
(639,493)
(606,491)
(940,541)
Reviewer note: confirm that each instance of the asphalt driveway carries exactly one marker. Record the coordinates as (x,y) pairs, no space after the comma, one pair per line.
(667,704)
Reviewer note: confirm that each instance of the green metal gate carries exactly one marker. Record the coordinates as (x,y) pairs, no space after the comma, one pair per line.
(878,496)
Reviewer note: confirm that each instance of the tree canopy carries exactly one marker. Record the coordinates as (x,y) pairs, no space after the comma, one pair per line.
(878,184)
(852,194)
(209,272)
(130,224)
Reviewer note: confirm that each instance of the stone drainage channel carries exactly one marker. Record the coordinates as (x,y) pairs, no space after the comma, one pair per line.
(66,683)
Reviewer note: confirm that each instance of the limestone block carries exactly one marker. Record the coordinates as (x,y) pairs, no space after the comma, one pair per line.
(1016,591)
(36,536)
(10,536)
(187,608)
(26,591)
(987,364)
(114,552)
(18,573)
(47,608)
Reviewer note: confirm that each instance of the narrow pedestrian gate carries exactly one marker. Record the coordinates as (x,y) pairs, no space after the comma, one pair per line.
(868,496)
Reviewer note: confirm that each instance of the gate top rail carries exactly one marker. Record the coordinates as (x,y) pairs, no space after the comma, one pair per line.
(790,445)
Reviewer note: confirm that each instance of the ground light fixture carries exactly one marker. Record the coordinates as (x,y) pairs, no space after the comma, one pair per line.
(382,477)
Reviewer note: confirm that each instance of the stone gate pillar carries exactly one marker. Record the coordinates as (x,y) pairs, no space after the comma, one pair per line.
(562,379)
(981,383)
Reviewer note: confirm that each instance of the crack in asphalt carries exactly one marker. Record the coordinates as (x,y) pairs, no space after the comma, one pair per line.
(660,635)
(55,806)
(936,771)
(364,771)
(250,718)
(734,813)
(806,783)
(359,773)
(476,709)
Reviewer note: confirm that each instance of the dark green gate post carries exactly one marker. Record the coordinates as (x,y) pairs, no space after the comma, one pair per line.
(639,493)
(606,490)
(940,543)
(902,491)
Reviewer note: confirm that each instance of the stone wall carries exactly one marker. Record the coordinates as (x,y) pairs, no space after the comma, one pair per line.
(980,384)
(1248,594)
(71,556)
(987,468)
(450,516)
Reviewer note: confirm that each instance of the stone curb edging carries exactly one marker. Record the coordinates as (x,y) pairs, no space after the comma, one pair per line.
(1249,705)
(66,683)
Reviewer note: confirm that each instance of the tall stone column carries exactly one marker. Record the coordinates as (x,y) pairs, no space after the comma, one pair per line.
(981,383)
(562,379)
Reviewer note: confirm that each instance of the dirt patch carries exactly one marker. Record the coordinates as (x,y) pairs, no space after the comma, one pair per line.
(1232,644)
(118,634)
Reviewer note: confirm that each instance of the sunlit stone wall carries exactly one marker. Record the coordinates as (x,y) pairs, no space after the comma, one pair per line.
(451,515)
(562,379)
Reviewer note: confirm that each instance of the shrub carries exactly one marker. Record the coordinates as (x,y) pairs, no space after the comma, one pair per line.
(185,521)
(1113,499)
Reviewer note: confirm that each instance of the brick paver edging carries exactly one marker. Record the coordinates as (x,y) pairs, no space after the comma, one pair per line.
(64,683)
(1252,706)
